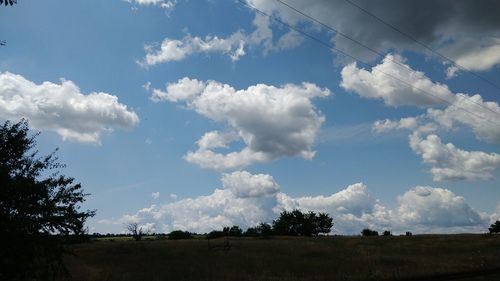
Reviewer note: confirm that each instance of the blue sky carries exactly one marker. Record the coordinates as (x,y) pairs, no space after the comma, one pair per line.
(128,89)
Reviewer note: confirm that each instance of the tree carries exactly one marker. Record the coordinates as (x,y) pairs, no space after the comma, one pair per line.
(495,227)
(8,2)
(387,233)
(39,207)
(306,224)
(179,234)
(136,230)
(369,232)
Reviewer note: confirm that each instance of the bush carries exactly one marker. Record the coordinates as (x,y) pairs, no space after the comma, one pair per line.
(369,232)
(216,234)
(262,230)
(305,224)
(495,227)
(179,234)
(387,233)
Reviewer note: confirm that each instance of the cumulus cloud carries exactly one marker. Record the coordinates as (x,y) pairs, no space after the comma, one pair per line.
(155,195)
(247,199)
(385,125)
(167,5)
(451,163)
(62,108)
(417,89)
(454,32)
(481,116)
(426,208)
(175,50)
(233,45)
(272,122)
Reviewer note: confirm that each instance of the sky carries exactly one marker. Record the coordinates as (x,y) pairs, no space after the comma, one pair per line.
(194,115)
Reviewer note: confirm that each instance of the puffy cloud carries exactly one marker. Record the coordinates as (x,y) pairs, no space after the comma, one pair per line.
(247,200)
(243,184)
(450,163)
(175,50)
(273,122)
(167,5)
(62,108)
(425,207)
(233,45)
(155,195)
(454,32)
(409,123)
(418,90)
(481,116)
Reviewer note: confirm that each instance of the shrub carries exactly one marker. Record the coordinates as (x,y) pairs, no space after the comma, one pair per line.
(369,232)
(179,234)
(495,227)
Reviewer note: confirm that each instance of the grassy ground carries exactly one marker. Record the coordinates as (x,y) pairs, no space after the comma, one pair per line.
(319,258)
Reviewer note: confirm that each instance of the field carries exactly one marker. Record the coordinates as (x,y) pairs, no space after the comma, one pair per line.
(426,257)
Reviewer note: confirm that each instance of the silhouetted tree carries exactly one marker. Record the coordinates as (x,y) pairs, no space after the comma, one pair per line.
(8,2)
(297,223)
(39,207)
(179,234)
(369,232)
(495,227)
(263,230)
(387,233)
(136,230)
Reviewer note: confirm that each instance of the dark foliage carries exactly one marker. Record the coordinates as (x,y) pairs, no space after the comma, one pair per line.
(387,233)
(39,208)
(233,230)
(216,234)
(8,2)
(495,227)
(409,233)
(179,234)
(262,230)
(136,230)
(369,232)
(306,224)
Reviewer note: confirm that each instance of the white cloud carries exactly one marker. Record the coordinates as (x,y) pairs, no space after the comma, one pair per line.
(483,117)
(155,195)
(426,207)
(62,108)
(417,89)
(451,163)
(272,122)
(474,55)
(248,199)
(381,126)
(167,5)
(232,45)
(175,50)
(243,184)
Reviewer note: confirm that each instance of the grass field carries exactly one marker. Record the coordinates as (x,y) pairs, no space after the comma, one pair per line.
(427,257)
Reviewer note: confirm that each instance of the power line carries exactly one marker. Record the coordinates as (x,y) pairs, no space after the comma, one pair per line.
(423,45)
(370,49)
(330,46)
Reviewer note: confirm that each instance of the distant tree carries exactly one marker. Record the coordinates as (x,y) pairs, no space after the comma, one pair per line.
(369,232)
(387,233)
(39,207)
(495,227)
(409,233)
(136,230)
(233,230)
(306,224)
(179,234)
(8,2)
(216,234)
(263,230)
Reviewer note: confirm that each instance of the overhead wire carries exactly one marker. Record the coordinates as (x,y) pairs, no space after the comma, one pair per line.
(423,45)
(332,47)
(371,49)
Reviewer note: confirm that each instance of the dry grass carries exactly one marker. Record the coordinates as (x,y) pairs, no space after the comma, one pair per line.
(319,258)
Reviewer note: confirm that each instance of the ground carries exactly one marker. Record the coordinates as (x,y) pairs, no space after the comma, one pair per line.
(425,257)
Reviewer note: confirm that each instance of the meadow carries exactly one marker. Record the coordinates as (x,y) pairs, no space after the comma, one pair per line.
(419,257)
